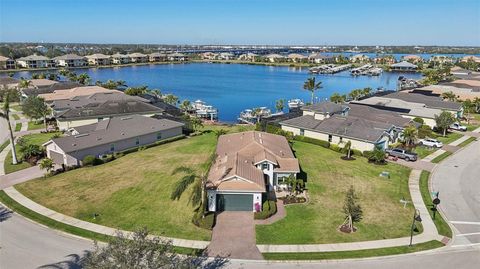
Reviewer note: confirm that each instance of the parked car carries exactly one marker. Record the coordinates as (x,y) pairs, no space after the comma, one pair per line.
(430,142)
(457,126)
(402,154)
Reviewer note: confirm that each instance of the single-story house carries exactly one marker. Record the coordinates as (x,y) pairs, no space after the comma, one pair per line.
(35,61)
(437,90)
(98,59)
(273,58)
(119,58)
(470,58)
(35,91)
(227,56)
(296,58)
(209,55)
(66,94)
(387,59)
(319,58)
(403,66)
(365,128)
(109,136)
(9,82)
(248,165)
(441,59)
(177,57)
(6,63)
(70,60)
(412,59)
(359,58)
(138,57)
(157,57)
(251,57)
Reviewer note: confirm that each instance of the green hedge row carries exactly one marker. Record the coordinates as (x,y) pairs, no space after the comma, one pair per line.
(314,141)
(268,210)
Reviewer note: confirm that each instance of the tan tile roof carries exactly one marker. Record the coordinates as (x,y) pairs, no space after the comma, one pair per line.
(237,154)
(78,91)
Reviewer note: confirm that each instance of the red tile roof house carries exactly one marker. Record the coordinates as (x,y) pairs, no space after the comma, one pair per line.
(247,166)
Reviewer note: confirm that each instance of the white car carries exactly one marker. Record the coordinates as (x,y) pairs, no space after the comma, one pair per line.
(430,142)
(457,126)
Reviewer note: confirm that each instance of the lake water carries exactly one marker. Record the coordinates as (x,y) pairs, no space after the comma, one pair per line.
(235,87)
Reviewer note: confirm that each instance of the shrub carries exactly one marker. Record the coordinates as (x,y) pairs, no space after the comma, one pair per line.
(356,152)
(206,222)
(269,209)
(335,148)
(376,156)
(425,131)
(273,129)
(419,120)
(91,160)
(314,141)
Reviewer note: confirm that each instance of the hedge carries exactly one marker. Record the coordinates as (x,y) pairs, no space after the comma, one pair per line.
(335,148)
(269,209)
(314,141)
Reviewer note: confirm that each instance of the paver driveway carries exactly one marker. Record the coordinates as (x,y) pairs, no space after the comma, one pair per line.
(234,236)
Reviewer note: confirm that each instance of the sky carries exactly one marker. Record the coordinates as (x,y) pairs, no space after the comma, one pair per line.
(274,22)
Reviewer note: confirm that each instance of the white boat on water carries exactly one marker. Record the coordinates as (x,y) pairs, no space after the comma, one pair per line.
(295,103)
(252,115)
(204,111)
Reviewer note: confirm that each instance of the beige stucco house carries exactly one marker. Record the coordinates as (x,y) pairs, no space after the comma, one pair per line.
(98,59)
(35,61)
(70,60)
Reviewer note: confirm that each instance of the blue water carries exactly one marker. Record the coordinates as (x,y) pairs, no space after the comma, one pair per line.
(235,87)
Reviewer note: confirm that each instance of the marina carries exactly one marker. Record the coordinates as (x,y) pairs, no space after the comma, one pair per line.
(329,68)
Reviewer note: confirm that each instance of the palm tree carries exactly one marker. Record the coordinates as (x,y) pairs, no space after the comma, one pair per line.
(83,79)
(476,103)
(6,115)
(220,132)
(171,99)
(337,98)
(450,96)
(46,164)
(410,135)
(366,91)
(347,149)
(24,83)
(185,106)
(311,86)
(64,72)
(197,197)
(196,123)
(468,107)
(279,104)
(257,112)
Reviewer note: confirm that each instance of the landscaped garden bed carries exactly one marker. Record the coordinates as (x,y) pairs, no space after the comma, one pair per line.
(328,179)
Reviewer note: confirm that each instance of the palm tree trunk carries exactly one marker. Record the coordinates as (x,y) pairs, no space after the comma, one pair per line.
(312,96)
(12,141)
(45,122)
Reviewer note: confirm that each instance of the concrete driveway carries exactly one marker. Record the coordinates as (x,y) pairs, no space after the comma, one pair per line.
(234,236)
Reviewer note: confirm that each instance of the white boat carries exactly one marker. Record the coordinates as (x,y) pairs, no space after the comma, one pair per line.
(295,103)
(250,115)
(204,111)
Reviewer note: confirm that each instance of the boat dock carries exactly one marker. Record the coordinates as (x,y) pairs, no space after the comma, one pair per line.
(329,69)
(366,70)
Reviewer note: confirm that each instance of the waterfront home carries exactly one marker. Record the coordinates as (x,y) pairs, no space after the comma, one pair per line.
(275,58)
(177,57)
(208,55)
(249,57)
(359,58)
(65,94)
(70,60)
(98,59)
(441,59)
(6,63)
(119,58)
(226,56)
(403,66)
(138,57)
(366,128)
(157,57)
(109,136)
(412,105)
(319,58)
(412,59)
(462,93)
(247,166)
(388,59)
(297,58)
(83,110)
(35,61)
(470,58)
(61,85)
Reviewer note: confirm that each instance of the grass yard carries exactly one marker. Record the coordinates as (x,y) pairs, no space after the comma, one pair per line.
(442,225)
(441,157)
(132,191)
(37,139)
(33,125)
(424,151)
(328,178)
(353,254)
(15,116)
(449,138)
(17,107)
(229,128)
(4,145)
(18,127)
(466,142)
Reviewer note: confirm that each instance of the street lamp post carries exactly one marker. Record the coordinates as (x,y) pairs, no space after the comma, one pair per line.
(416,217)
(436,202)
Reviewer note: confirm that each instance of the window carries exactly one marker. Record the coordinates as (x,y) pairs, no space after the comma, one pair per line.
(302,132)
(329,138)
(265,166)
(341,138)
(159,136)
(137,141)
(112,147)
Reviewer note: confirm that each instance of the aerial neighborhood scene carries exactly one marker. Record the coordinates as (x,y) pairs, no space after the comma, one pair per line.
(239,134)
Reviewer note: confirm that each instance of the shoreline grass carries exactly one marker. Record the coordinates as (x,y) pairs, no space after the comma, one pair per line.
(354,253)
(441,157)
(440,223)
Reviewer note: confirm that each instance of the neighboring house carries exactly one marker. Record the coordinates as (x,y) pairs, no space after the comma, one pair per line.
(70,60)
(470,58)
(157,57)
(35,61)
(42,83)
(9,82)
(441,59)
(389,59)
(297,58)
(473,84)
(274,58)
(411,105)
(109,136)
(247,166)
(35,91)
(177,57)
(6,63)
(249,57)
(138,57)
(118,58)
(463,93)
(226,56)
(66,94)
(412,59)
(92,111)
(359,58)
(208,55)
(403,66)
(319,58)
(366,128)
(98,59)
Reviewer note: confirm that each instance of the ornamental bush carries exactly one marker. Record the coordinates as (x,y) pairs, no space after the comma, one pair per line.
(314,141)
(269,209)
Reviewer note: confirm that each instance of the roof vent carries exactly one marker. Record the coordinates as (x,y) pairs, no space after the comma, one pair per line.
(74,144)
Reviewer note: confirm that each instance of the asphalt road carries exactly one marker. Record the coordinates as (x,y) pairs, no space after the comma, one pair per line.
(458,181)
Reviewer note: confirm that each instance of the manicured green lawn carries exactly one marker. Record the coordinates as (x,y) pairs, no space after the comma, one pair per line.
(353,254)
(423,151)
(16,107)
(33,125)
(328,178)
(37,139)
(441,224)
(18,127)
(132,191)
(449,138)
(4,145)
(441,157)
(466,142)
(15,116)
